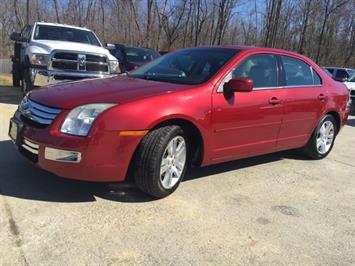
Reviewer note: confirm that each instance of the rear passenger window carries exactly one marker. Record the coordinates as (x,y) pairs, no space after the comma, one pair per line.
(316,78)
(261,68)
(298,73)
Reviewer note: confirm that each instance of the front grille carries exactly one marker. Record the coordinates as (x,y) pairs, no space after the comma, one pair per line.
(352,93)
(68,61)
(38,113)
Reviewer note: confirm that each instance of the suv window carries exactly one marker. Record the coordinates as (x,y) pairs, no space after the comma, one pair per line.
(331,70)
(341,73)
(261,68)
(298,73)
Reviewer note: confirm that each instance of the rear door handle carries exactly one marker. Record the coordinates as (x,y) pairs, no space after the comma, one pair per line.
(322,97)
(274,100)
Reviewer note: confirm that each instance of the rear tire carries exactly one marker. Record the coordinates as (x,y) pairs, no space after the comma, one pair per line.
(15,76)
(161,160)
(322,139)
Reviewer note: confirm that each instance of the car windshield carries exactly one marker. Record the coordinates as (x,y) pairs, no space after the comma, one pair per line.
(188,66)
(140,55)
(352,78)
(67,34)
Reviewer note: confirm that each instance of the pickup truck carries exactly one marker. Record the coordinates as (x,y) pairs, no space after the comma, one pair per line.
(47,53)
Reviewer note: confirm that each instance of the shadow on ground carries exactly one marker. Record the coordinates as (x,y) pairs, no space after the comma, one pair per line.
(20,179)
(10,95)
(351,122)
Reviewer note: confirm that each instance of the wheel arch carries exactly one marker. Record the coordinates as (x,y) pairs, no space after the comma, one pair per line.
(336,116)
(194,134)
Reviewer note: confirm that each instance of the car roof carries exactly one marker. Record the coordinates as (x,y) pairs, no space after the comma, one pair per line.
(61,25)
(345,68)
(251,48)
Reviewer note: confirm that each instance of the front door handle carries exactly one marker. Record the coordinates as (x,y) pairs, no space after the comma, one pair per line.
(274,100)
(322,97)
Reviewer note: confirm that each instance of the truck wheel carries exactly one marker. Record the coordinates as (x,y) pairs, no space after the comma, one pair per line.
(26,82)
(161,161)
(322,140)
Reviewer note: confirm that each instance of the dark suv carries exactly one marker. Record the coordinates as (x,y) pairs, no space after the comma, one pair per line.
(132,57)
(340,74)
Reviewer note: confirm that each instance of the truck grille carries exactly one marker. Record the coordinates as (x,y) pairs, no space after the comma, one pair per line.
(38,113)
(67,61)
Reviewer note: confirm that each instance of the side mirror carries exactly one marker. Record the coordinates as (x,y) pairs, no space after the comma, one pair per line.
(110,46)
(239,84)
(15,36)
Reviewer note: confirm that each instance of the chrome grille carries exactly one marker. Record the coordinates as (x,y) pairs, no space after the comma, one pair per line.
(69,61)
(37,112)
(30,146)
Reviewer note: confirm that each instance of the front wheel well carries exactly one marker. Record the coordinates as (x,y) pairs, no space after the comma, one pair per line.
(194,135)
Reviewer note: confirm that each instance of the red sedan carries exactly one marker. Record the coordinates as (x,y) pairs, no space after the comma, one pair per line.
(197,106)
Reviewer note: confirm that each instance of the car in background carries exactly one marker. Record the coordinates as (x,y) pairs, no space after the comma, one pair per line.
(196,106)
(347,76)
(340,74)
(46,53)
(132,57)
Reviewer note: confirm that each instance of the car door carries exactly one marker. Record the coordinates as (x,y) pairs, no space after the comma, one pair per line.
(305,101)
(248,123)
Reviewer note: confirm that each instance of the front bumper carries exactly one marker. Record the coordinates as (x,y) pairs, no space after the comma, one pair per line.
(43,77)
(104,156)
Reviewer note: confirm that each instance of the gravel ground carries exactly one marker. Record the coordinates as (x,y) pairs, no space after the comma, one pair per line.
(278,209)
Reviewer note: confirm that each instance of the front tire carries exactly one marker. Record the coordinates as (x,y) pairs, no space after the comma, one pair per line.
(322,139)
(161,161)
(26,82)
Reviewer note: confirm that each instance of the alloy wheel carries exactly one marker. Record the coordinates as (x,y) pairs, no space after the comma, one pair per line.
(173,162)
(325,137)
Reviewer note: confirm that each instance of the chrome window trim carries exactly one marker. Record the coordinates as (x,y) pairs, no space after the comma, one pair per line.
(220,90)
(220,86)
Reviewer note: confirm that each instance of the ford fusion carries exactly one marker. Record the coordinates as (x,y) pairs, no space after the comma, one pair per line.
(193,107)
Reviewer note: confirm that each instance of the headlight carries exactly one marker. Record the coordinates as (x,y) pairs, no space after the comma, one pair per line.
(80,119)
(39,59)
(114,67)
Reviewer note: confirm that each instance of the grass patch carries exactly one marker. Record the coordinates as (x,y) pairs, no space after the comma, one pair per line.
(5,79)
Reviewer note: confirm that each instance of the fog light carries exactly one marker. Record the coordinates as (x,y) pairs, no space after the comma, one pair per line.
(62,155)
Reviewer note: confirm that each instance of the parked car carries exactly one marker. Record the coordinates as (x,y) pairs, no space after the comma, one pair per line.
(340,74)
(346,75)
(197,106)
(132,57)
(47,53)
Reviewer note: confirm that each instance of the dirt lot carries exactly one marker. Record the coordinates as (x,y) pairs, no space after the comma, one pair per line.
(271,210)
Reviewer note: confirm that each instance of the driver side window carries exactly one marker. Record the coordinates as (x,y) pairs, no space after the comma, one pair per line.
(261,68)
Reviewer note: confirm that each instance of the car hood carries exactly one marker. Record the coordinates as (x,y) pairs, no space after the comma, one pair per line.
(47,46)
(350,85)
(118,90)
